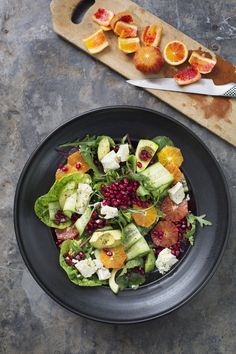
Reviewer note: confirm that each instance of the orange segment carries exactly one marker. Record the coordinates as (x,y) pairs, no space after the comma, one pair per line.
(75,159)
(175,171)
(113,257)
(125,30)
(201,63)
(175,53)
(96,42)
(151,35)
(128,45)
(147,218)
(170,154)
(65,171)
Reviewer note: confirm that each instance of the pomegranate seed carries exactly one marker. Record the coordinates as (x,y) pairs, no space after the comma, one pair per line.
(78,166)
(65,169)
(139,164)
(60,166)
(177,253)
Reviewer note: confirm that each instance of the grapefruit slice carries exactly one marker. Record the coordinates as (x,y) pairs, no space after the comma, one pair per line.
(113,257)
(172,211)
(187,76)
(125,30)
(147,218)
(201,63)
(151,35)
(103,17)
(129,45)
(164,234)
(175,52)
(96,42)
(170,154)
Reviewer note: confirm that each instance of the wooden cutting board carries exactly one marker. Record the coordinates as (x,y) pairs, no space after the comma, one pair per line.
(217,114)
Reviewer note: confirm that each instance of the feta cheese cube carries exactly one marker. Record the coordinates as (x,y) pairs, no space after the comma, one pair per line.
(98,263)
(123,152)
(109,212)
(176,193)
(86,267)
(165,260)
(83,196)
(110,161)
(103,274)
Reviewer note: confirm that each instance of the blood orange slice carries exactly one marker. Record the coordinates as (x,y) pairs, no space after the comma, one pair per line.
(201,63)
(96,42)
(125,30)
(175,52)
(187,76)
(66,234)
(113,257)
(103,17)
(151,35)
(128,45)
(121,16)
(172,211)
(147,218)
(164,234)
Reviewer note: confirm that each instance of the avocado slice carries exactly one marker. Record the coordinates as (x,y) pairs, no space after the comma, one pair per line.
(66,192)
(150,262)
(148,147)
(103,148)
(112,282)
(108,238)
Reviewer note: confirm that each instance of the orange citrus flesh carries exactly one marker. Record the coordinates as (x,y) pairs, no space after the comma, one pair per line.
(151,35)
(96,42)
(147,218)
(170,154)
(175,171)
(75,163)
(116,259)
(103,17)
(175,53)
(202,64)
(128,45)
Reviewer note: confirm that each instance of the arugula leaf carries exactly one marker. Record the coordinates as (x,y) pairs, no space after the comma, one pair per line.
(162,141)
(87,154)
(90,141)
(191,221)
(202,221)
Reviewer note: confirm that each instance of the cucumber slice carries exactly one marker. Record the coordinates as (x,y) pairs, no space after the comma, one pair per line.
(150,262)
(131,236)
(83,221)
(139,249)
(158,175)
(103,148)
(66,192)
(53,207)
(70,205)
(112,282)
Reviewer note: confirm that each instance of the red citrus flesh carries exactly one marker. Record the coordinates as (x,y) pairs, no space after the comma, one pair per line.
(164,234)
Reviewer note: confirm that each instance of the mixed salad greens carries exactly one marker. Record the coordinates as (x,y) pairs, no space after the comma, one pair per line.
(119,212)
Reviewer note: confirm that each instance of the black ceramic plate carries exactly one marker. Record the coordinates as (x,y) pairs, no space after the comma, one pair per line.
(162,295)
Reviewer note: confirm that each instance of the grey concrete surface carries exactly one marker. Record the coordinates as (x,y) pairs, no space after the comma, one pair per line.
(44,81)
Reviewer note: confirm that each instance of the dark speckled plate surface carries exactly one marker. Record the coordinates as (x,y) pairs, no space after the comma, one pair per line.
(162,295)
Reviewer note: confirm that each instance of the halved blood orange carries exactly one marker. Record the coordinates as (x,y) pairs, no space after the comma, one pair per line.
(203,64)
(96,42)
(129,45)
(151,35)
(172,211)
(175,171)
(175,52)
(164,234)
(121,16)
(170,154)
(113,257)
(187,76)
(125,30)
(147,218)
(103,17)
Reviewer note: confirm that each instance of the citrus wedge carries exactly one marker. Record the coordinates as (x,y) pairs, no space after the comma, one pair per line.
(121,16)
(187,76)
(201,63)
(103,17)
(175,52)
(128,45)
(113,257)
(147,218)
(125,30)
(170,154)
(175,171)
(151,35)
(96,42)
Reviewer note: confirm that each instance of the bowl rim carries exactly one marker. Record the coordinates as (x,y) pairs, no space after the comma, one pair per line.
(83,116)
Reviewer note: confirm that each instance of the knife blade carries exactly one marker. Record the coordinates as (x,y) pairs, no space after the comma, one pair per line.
(202,87)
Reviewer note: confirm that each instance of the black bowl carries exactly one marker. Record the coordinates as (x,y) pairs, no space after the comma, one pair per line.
(162,295)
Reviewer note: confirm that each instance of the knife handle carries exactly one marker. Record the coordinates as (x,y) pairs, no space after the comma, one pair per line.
(231,92)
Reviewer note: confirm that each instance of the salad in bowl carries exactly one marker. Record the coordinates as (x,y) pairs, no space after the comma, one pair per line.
(120,211)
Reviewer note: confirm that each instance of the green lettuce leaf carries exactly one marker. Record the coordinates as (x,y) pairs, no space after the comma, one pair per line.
(72,273)
(41,204)
(162,141)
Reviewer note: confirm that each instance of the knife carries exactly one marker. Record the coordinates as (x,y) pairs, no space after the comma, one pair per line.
(202,87)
